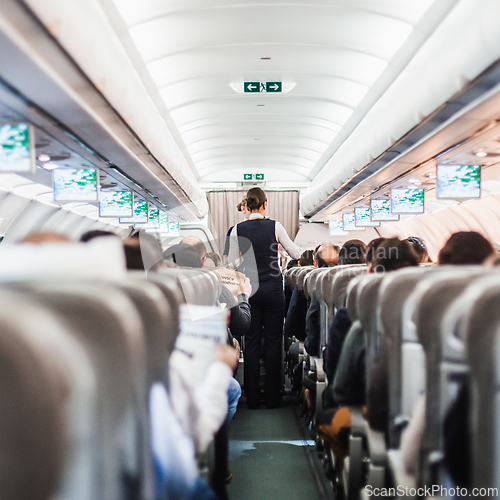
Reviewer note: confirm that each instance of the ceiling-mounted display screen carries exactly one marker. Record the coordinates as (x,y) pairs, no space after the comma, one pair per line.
(336,228)
(458,181)
(381,211)
(140,213)
(17,151)
(154,219)
(164,222)
(362,217)
(75,184)
(173,228)
(116,203)
(407,201)
(349,222)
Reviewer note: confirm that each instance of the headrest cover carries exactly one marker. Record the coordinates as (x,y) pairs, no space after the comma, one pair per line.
(101,258)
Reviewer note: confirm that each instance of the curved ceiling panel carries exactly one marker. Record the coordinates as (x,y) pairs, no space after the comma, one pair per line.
(195,55)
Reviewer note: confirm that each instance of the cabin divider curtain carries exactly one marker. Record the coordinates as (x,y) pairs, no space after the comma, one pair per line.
(282,206)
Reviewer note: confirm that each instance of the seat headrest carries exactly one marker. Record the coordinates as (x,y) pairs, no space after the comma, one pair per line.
(101,259)
(341,282)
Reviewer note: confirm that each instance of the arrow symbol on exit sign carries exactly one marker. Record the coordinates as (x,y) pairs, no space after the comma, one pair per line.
(251,87)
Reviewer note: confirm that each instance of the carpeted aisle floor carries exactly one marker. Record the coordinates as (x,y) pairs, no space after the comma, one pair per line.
(268,456)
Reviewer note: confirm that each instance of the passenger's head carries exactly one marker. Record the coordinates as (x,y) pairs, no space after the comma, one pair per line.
(466,247)
(327,255)
(352,252)
(392,254)
(306,258)
(213,257)
(197,244)
(184,255)
(371,248)
(419,248)
(96,233)
(45,237)
(143,252)
(292,263)
(256,200)
(242,207)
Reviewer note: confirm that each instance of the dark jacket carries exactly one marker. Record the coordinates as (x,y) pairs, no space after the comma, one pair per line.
(240,315)
(349,386)
(336,337)
(311,343)
(295,323)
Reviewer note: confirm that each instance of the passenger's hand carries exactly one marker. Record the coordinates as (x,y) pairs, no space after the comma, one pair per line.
(236,345)
(228,355)
(245,287)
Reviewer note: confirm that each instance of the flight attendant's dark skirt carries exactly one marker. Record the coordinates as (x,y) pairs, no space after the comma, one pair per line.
(268,311)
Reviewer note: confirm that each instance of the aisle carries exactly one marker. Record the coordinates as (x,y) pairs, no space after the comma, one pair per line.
(268,456)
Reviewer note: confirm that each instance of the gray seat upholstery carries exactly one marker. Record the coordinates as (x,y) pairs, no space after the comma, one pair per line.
(32,412)
(76,397)
(352,297)
(109,327)
(394,290)
(431,298)
(341,282)
(480,328)
(301,275)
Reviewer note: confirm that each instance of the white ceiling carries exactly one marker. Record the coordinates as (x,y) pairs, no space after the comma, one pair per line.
(334,57)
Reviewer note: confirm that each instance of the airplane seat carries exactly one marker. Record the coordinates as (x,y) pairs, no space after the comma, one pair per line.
(293,276)
(481,331)
(302,274)
(341,283)
(108,325)
(431,299)
(394,290)
(367,312)
(45,382)
(352,297)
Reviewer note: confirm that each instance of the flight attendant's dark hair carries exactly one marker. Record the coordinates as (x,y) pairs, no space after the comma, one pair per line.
(255,198)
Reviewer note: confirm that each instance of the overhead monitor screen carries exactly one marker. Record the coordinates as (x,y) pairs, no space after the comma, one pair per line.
(458,181)
(163,222)
(73,184)
(154,219)
(336,228)
(116,204)
(173,228)
(140,213)
(350,222)
(16,148)
(362,217)
(407,201)
(381,211)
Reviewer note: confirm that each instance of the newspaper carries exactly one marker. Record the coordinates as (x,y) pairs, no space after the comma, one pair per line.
(231,279)
(201,328)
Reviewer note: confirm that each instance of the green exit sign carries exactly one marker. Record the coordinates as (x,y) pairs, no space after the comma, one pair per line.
(251,87)
(253,177)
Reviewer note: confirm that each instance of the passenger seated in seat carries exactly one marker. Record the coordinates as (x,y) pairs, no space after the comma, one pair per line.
(295,322)
(342,323)
(462,248)
(349,385)
(420,249)
(352,252)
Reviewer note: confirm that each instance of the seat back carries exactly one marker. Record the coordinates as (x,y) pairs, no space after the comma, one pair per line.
(481,331)
(431,299)
(33,431)
(109,327)
(394,290)
(352,297)
(366,312)
(301,275)
(341,283)
(311,281)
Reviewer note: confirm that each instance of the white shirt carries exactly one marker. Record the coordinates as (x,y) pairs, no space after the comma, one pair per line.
(281,237)
(201,409)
